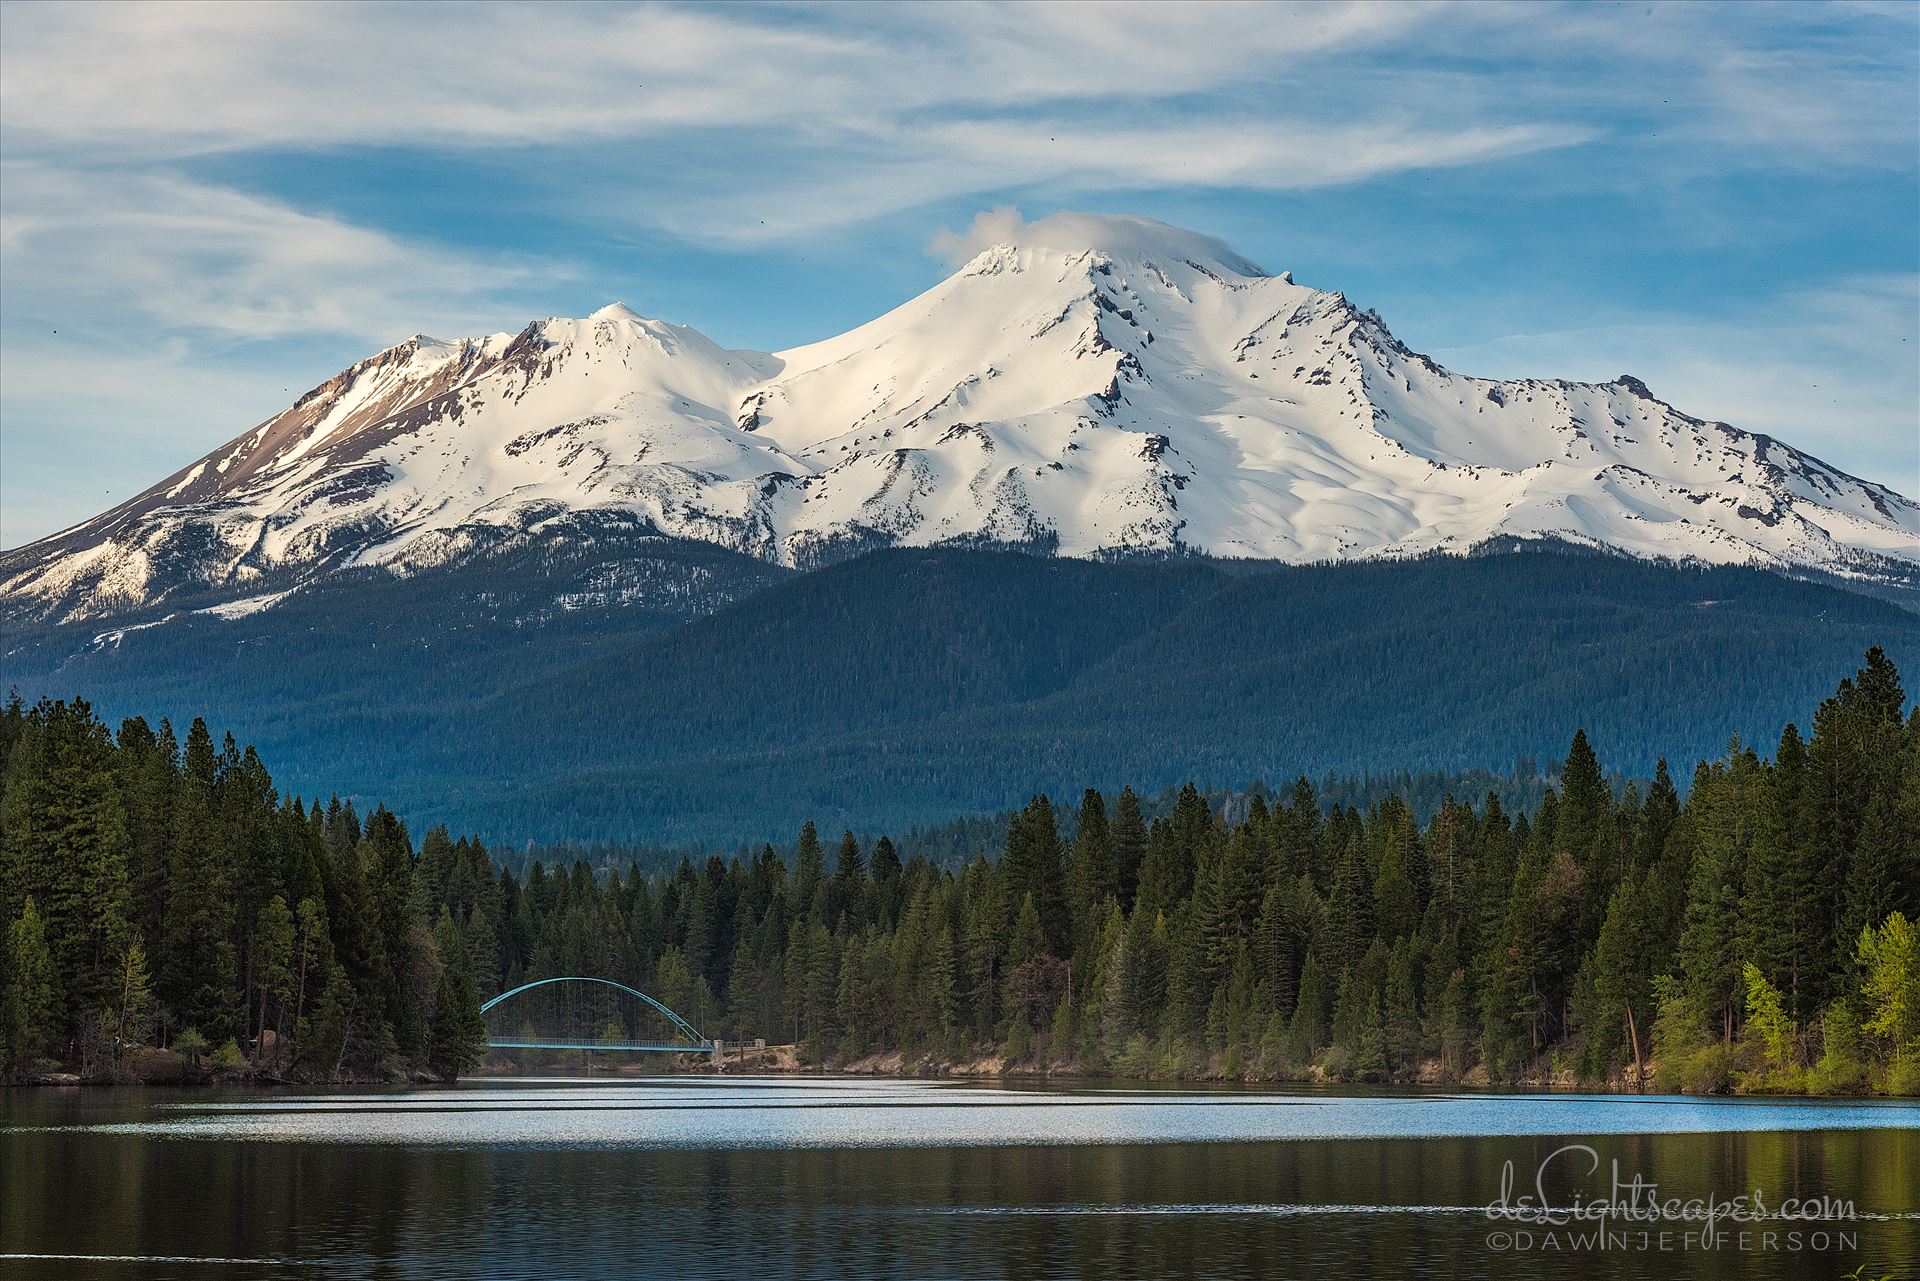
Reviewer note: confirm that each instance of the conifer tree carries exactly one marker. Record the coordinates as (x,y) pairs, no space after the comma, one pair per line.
(1129,830)
(1091,876)
(1032,865)
(845,898)
(1709,948)
(809,868)
(1781,926)
(1350,923)
(274,939)
(888,888)
(63,842)
(458,1035)
(1308,1030)
(199,981)
(32,1012)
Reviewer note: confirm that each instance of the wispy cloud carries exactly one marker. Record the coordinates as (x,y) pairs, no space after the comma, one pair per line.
(148,146)
(177,79)
(151,248)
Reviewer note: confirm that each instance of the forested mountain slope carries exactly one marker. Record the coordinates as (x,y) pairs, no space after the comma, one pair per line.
(911,686)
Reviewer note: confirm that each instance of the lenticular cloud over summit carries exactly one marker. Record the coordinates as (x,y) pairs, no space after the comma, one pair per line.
(1069,232)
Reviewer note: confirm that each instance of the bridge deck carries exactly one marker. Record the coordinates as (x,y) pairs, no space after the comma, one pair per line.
(680,1047)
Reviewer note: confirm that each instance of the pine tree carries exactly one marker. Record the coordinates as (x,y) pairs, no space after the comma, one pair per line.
(1129,831)
(389,864)
(1091,877)
(1877,875)
(198,978)
(1275,947)
(1174,850)
(1781,926)
(888,888)
(457,1038)
(1401,1009)
(33,1017)
(1395,904)
(809,869)
(147,765)
(1709,948)
(1028,939)
(63,842)
(1032,866)
(1350,920)
(1624,961)
(1308,1031)
(846,897)
(274,940)
(937,983)
(312,952)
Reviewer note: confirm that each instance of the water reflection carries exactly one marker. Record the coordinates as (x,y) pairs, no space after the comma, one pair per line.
(829,1178)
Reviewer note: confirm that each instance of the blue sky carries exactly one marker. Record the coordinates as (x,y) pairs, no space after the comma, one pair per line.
(206,210)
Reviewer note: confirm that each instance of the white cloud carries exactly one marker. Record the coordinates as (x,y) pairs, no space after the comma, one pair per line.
(115,247)
(1072,231)
(153,79)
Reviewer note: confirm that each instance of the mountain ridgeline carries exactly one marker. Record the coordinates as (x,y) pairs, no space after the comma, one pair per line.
(908,687)
(1757,934)
(1098,386)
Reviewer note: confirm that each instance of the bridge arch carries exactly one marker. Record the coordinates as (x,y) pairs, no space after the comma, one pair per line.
(674,1033)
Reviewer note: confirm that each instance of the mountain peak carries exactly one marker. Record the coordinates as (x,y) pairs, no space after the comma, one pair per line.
(1122,237)
(1089,385)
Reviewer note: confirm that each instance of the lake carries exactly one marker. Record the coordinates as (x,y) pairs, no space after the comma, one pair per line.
(835,1177)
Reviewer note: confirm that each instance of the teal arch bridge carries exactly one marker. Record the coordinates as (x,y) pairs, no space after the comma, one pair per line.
(575,1013)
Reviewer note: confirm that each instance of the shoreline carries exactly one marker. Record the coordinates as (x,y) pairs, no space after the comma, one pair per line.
(779,1061)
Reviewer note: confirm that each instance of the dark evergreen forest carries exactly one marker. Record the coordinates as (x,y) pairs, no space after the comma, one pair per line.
(1757,934)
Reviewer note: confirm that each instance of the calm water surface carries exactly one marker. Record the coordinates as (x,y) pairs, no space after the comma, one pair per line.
(680,1177)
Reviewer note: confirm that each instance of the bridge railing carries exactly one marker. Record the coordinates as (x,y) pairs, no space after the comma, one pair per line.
(573,1012)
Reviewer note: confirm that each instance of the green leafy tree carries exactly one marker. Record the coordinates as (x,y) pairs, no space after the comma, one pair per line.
(1767,1016)
(133,1008)
(1889,956)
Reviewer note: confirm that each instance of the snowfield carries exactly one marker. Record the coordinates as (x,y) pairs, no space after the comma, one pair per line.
(1146,391)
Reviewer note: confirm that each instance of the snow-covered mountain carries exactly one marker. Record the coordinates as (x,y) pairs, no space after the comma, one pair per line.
(1133,389)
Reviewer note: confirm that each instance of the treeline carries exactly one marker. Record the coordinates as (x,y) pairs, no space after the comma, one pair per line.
(161,893)
(1757,935)
(956,842)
